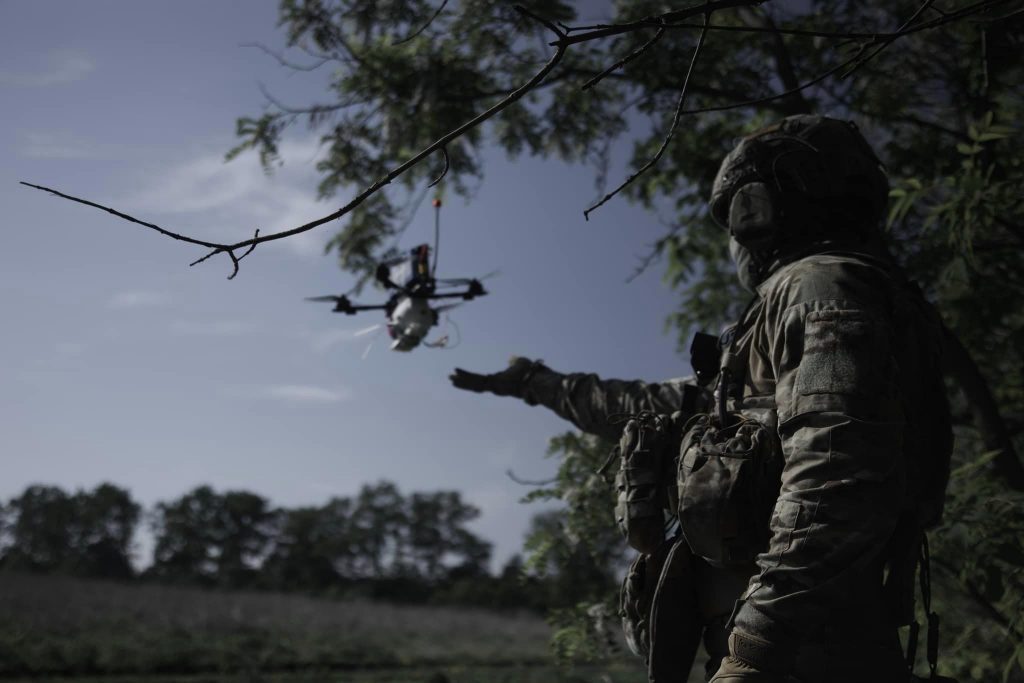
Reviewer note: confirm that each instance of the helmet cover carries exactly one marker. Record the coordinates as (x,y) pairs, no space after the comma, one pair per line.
(814,167)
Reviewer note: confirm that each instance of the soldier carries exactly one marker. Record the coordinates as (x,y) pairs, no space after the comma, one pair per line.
(837,357)
(830,406)
(587,401)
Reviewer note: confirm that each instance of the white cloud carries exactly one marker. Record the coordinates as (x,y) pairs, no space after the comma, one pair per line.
(211,328)
(302,393)
(58,68)
(138,298)
(228,201)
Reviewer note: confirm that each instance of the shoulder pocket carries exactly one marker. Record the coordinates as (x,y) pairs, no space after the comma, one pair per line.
(842,354)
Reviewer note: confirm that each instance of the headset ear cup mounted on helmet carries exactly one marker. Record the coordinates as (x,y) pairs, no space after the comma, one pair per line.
(753,215)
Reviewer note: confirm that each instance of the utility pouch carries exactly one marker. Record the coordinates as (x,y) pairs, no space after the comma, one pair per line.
(727,480)
(643,480)
(660,616)
(636,597)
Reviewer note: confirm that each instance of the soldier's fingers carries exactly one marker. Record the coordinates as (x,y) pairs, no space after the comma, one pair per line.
(469,381)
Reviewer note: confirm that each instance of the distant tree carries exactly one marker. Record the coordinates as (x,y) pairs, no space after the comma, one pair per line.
(88,533)
(185,537)
(305,549)
(243,536)
(211,538)
(102,532)
(377,531)
(39,528)
(437,539)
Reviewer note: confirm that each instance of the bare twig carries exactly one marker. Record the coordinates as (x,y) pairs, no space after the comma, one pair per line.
(784,64)
(777,96)
(529,482)
(126,217)
(316,109)
(667,18)
(655,251)
(625,60)
(285,62)
(905,25)
(444,171)
(423,28)
(672,129)
(655,22)
(540,20)
(365,194)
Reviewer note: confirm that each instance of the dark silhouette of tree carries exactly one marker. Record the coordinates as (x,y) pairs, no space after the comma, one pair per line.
(39,528)
(305,549)
(88,533)
(102,531)
(185,535)
(376,529)
(211,538)
(243,536)
(439,544)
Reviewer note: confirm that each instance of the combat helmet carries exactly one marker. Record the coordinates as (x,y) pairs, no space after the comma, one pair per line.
(805,178)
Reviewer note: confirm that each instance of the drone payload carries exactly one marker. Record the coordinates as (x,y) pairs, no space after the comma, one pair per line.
(409,310)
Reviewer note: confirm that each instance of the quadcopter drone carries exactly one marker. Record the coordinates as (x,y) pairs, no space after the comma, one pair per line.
(409,311)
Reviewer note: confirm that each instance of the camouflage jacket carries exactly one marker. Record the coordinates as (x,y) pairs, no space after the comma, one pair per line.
(841,359)
(588,401)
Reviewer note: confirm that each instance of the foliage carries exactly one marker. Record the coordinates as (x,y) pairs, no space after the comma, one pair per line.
(979,562)
(380,543)
(206,537)
(943,108)
(87,533)
(580,548)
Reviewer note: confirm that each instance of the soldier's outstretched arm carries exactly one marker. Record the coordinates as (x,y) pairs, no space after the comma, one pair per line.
(586,400)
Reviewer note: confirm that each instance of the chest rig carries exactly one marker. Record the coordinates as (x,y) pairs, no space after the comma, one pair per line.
(729,464)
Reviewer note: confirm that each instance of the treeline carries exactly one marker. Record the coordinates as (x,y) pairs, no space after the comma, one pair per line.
(380,544)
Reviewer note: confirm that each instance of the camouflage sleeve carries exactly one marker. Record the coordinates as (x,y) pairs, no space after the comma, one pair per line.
(840,426)
(588,401)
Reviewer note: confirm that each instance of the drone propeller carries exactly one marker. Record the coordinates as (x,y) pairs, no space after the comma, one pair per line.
(447,307)
(458,281)
(367,330)
(343,305)
(375,328)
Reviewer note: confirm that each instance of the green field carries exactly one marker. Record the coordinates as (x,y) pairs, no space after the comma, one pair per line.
(57,628)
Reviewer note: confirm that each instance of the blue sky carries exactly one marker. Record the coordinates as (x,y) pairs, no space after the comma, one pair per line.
(123,364)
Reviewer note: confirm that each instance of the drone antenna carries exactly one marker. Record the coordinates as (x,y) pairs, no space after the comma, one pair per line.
(437,232)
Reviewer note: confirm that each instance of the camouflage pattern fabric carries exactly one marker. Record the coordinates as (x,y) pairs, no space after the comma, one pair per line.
(588,401)
(839,376)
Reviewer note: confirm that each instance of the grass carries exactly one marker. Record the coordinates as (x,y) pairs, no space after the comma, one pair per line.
(95,630)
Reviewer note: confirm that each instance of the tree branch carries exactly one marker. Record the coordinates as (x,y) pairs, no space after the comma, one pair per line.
(672,129)
(286,63)
(672,19)
(625,60)
(958,364)
(423,28)
(440,143)
(666,18)
(784,67)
